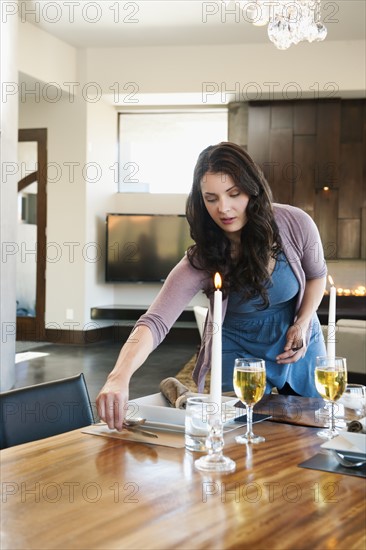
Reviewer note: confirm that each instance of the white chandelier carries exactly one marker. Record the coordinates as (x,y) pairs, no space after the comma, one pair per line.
(289,21)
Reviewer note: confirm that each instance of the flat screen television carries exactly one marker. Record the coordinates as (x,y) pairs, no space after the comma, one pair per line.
(144,248)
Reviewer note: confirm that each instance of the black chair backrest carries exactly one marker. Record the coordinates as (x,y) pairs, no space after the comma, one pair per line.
(43,410)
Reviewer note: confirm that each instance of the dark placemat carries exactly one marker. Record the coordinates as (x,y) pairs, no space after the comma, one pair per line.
(292,409)
(256,418)
(327,463)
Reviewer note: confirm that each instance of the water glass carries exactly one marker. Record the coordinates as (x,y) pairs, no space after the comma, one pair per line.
(354,401)
(196,422)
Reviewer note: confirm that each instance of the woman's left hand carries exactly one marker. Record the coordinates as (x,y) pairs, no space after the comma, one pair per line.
(295,345)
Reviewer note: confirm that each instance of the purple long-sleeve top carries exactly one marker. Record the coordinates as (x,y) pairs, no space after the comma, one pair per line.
(302,246)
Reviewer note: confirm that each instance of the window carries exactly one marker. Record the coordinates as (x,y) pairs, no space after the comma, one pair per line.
(158,150)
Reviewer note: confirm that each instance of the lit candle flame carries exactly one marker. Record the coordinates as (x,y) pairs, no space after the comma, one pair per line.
(217,280)
(330,280)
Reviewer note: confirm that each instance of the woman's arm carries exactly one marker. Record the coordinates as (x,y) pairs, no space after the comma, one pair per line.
(113,397)
(180,287)
(296,335)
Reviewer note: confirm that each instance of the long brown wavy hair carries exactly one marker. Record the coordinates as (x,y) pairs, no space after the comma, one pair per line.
(247,271)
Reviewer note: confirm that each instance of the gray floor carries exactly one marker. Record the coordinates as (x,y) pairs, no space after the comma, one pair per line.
(96,361)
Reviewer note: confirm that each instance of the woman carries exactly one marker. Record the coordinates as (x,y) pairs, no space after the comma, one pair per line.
(271,261)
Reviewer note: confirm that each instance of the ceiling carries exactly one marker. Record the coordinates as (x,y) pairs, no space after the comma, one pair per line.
(86,24)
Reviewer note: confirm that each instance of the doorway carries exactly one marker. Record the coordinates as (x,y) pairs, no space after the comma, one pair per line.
(31,234)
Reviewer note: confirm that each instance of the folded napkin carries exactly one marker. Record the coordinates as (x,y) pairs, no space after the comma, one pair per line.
(175,392)
(357,427)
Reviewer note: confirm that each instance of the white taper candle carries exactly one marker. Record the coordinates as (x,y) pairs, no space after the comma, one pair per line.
(216,359)
(331,339)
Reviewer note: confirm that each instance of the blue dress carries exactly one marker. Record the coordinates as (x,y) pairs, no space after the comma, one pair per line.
(249,332)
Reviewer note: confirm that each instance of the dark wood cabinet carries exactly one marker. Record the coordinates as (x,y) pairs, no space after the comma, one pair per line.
(313,153)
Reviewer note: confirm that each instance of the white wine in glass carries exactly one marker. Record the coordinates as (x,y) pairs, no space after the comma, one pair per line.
(330,382)
(249,384)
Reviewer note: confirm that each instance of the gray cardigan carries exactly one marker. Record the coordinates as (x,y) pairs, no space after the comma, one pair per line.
(302,246)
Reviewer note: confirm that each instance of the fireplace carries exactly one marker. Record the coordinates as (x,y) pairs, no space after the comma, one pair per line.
(348,307)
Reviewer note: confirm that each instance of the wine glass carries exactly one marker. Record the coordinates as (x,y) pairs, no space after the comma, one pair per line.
(330,382)
(249,385)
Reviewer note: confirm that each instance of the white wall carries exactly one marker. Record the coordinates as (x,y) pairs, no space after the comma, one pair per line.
(8,204)
(45,57)
(253,71)
(100,195)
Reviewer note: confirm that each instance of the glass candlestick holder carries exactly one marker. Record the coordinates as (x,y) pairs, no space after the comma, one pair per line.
(215,461)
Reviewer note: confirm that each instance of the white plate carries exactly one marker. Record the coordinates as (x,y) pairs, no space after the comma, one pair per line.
(155,409)
(357,440)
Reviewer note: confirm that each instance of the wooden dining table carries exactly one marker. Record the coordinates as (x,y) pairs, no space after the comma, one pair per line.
(80,491)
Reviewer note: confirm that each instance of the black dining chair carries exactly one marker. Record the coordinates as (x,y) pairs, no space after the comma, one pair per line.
(43,410)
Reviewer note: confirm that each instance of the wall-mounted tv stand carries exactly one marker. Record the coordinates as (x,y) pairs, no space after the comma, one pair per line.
(128,315)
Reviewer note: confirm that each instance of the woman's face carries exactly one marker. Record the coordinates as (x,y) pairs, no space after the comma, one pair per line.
(225,203)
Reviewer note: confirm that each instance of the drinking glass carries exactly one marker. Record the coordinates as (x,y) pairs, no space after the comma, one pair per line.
(196,423)
(249,385)
(330,382)
(354,401)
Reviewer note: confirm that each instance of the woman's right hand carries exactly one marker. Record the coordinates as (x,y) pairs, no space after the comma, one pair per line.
(112,402)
